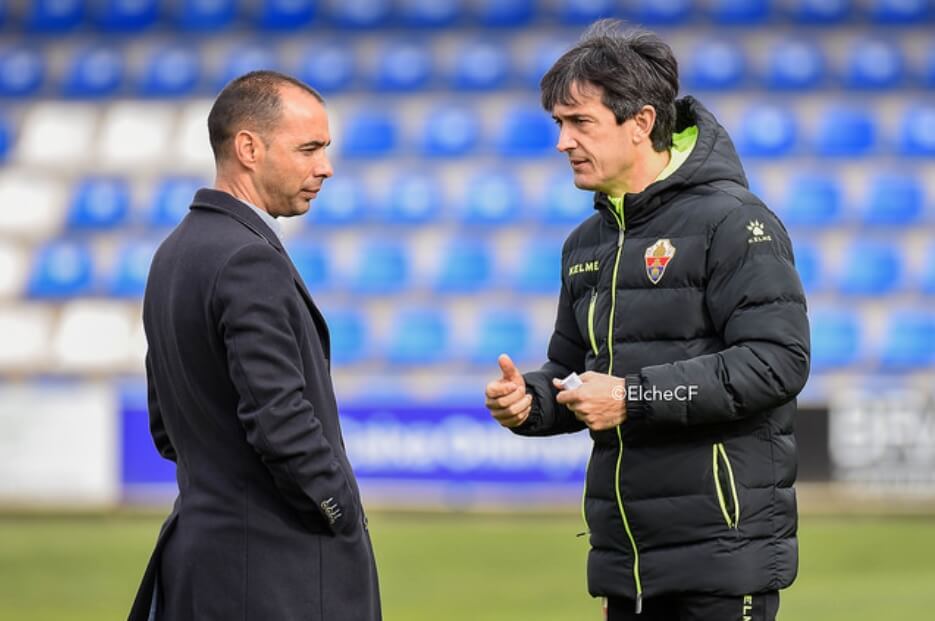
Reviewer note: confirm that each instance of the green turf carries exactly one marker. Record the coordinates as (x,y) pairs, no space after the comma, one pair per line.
(469,567)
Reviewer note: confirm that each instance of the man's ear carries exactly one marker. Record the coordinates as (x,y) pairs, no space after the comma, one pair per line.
(645,120)
(248,148)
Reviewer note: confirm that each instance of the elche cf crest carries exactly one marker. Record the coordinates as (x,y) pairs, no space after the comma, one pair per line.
(658,257)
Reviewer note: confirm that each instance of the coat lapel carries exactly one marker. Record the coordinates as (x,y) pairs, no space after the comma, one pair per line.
(216,200)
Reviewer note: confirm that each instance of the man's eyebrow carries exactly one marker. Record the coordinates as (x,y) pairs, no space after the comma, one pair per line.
(314,144)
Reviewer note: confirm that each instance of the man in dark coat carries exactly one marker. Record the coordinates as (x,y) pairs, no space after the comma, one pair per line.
(682,312)
(268,523)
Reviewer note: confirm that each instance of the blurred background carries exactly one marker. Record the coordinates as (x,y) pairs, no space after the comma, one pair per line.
(436,247)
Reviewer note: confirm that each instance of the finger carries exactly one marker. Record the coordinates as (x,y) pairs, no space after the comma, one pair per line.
(514,420)
(506,401)
(558,383)
(520,406)
(499,388)
(567,396)
(509,370)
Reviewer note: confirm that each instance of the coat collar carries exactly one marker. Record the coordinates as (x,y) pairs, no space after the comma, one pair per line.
(216,200)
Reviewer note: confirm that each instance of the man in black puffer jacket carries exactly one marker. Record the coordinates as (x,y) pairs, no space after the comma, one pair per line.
(682,311)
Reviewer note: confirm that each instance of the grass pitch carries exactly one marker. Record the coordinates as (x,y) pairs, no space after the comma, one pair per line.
(469,567)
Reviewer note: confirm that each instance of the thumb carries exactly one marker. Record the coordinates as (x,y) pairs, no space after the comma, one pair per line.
(510,372)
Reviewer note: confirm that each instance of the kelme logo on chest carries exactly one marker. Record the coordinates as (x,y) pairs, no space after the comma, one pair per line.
(657,257)
(581,268)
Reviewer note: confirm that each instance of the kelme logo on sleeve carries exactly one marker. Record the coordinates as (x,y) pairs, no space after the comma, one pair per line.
(580,268)
(657,258)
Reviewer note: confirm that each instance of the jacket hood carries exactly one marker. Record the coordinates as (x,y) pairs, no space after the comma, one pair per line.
(713,159)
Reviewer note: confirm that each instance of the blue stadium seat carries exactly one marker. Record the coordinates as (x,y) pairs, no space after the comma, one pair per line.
(582,12)
(54,15)
(132,268)
(795,64)
(767,131)
(328,67)
(62,269)
(429,13)
(349,338)
(360,14)
(716,64)
(917,131)
(204,15)
(812,201)
(243,59)
(415,198)
(403,66)
(383,267)
(875,64)
(99,203)
(504,13)
(369,134)
(543,57)
(740,12)
(540,267)
(420,337)
(845,132)
(466,267)
(927,274)
(836,338)
(285,14)
(492,198)
(311,260)
(6,138)
(662,12)
(22,71)
(480,66)
(871,267)
(171,200)
(894,200)
(901,12)
(808,262)
(909,341)
(820,12)
(171,71)
(124,15)
(501,332)
(527,131)
(94,72)
(450,131)
(564,203)
(342,201)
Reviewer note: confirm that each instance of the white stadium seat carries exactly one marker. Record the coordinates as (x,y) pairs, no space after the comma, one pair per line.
(93,336)
(136,133)
(24,331)
(58,134)
(33,204)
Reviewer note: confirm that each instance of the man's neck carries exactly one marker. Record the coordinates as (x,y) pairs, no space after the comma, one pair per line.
(644,171)
(240,189)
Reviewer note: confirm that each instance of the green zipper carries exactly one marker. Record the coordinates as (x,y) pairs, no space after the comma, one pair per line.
(591,335)
(718,450)
(610,369)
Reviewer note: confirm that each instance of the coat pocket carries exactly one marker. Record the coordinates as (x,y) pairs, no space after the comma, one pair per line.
(725,485)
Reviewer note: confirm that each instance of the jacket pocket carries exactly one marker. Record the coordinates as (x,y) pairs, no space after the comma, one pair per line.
(725,485)
(592,305)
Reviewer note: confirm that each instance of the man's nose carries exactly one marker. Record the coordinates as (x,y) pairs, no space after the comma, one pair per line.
(324,169)
(565,141)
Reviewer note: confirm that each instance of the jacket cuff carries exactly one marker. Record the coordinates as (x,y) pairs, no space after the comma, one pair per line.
(637,409)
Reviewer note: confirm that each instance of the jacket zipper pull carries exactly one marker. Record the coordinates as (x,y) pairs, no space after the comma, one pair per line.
(582,533)
(639,603)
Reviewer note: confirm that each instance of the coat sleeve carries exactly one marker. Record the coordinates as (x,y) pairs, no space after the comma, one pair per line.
(258,315)
(157,427)
(566,355)
(756,302)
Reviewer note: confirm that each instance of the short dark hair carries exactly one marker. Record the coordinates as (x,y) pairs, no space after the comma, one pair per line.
(252,101)
(634,67)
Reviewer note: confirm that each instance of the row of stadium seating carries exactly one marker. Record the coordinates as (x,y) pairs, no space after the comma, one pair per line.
(134,134)
(456,265)
(99,204)
(55,16)
(94,335)
(413,63)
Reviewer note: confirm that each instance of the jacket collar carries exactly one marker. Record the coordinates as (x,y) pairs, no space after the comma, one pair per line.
(217,200)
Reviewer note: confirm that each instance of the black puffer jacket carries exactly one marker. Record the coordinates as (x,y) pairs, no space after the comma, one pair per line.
(698,289)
